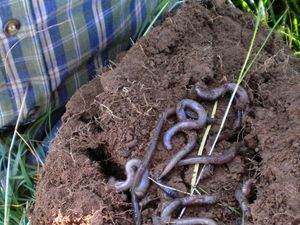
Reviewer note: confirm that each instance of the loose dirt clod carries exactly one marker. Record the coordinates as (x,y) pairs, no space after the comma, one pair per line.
(198,44)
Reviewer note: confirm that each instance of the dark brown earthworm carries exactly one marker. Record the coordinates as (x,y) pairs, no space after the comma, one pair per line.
(215,93)
(166,215)
(185,124)
(192,140)
(243,98)
(216,160)
(241,196)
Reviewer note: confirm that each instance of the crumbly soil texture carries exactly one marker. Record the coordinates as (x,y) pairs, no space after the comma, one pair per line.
(110,120)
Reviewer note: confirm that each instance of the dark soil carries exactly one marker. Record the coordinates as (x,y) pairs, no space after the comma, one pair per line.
(110,120)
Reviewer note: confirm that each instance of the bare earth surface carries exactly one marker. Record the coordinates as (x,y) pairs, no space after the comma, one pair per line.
(110,120)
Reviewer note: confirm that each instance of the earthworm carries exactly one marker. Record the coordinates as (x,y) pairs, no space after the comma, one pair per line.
(191,221)
(215,93)
(246,187)
(238,120)
(198,199)
(170,192)
(130,168)
(208,169)
(166,214)
(150,149)
(185,124)
(216,160)
(241,196)
(191,104)
(136,209)
(145,164)
(192,140)
(142,188)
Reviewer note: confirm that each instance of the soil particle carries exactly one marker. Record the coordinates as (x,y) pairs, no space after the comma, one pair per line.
(109,121)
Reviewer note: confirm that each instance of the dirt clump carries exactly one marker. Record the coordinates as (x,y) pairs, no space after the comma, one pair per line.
(109,121)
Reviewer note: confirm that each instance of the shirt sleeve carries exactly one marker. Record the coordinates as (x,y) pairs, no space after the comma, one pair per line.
(53,47)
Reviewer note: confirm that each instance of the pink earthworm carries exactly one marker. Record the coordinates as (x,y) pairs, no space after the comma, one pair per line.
(166,215)
(185,124)
(216,160)
(242,101)
(192,140)
(241,195)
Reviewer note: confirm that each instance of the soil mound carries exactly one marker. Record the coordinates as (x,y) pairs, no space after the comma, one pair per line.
(110,120)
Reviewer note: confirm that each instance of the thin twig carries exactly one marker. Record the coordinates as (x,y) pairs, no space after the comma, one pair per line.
(166,186)
(6,218)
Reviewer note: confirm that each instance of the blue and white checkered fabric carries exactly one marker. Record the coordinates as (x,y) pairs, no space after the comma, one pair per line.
(59,46)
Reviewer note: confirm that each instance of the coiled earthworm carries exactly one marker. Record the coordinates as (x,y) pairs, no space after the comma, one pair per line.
(241,196)
(145,164)
(192,140)
(130,168)
(209,159)
(215,93)
(166,215)
(185,124)
(191,104)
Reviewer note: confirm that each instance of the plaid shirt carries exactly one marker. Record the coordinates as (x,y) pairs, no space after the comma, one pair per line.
(59,46)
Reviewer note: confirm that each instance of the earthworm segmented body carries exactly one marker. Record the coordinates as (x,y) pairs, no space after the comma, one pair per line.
(136,209)
(130,168)
(192,140)
(241,196)
(135,188)
(246,187)
(191,221)
(214,94)
(150,149)
(208,169)
(185,124)
(209,159)
(191,104)
(166,215)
